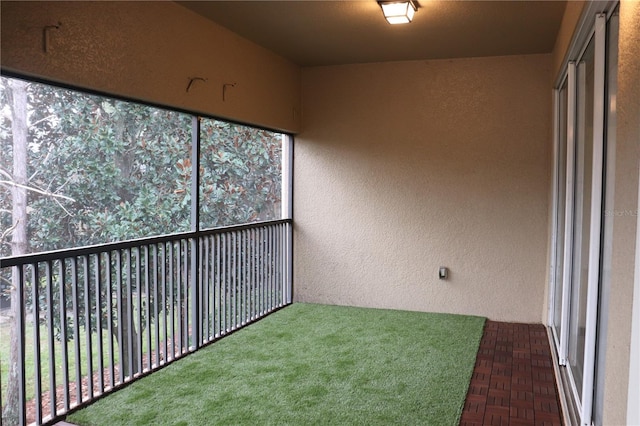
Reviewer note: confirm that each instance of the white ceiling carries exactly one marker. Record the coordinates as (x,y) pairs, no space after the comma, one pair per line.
(320,32)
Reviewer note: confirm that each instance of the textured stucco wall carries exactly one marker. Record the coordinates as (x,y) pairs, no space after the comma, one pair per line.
(149,51)
(624,224)
(404,167)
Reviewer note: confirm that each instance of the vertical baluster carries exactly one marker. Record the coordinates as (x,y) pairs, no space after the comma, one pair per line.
(203,266)
(223,285)
(137,329)
(289,263)
(147,277)
(179,293)
(248,259)
(76,327)
(109,295)
(99,326)
(120,315)
(270,265)
(256,269)
(274,260)
(257,272)
(245,275)
(156,303)
(87,315)
(285,263)
(204,288)
(172,301)
(231,280)
(252,274)
(196,293)
(218,288)
(276,274)
(210,289)
(240,291)
(265,268)
(36,340)
(195,288)
(185,301)
(236,283)
(129,308)
(18,277)
(63,332)
(214,284)
(248,274)
(163,284)
(279,281)
(274,257)
(243,266)
(261,280)
(50,338)
(264,281)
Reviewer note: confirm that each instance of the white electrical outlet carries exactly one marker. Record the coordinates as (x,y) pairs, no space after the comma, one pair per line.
(443,273)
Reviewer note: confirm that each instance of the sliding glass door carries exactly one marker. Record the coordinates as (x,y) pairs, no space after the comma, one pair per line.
(562,99)
(582,125)
(581,220)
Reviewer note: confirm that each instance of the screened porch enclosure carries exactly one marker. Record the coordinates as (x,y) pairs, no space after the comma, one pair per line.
(134,235)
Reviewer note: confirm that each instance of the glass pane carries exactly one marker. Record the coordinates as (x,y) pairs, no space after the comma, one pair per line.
(582,214)
(561,203)
(95,169)
(610,144)
(240,174)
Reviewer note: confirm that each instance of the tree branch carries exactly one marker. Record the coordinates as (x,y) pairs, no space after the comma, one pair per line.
(42,119)
(8,231)
(6,173)
(38,171)
(30,188)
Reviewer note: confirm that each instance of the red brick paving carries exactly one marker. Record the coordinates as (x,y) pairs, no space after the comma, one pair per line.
(513,382)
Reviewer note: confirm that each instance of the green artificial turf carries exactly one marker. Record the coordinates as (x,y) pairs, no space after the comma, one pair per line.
(311,364)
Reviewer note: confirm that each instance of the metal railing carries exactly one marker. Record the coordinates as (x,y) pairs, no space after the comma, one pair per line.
(92,319)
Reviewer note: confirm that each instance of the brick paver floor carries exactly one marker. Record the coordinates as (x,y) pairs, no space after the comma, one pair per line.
(513,382)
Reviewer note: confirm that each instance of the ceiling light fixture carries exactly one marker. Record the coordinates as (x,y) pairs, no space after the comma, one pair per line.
(398,12)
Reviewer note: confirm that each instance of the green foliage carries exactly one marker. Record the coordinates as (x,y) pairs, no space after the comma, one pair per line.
(240,182)
(127,168)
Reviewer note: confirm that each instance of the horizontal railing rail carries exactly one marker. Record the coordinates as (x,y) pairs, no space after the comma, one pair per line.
(94,318)
(99,248)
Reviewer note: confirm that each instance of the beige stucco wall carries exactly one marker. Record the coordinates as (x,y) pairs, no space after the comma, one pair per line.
(149,51)
(404,167)
(624,224)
